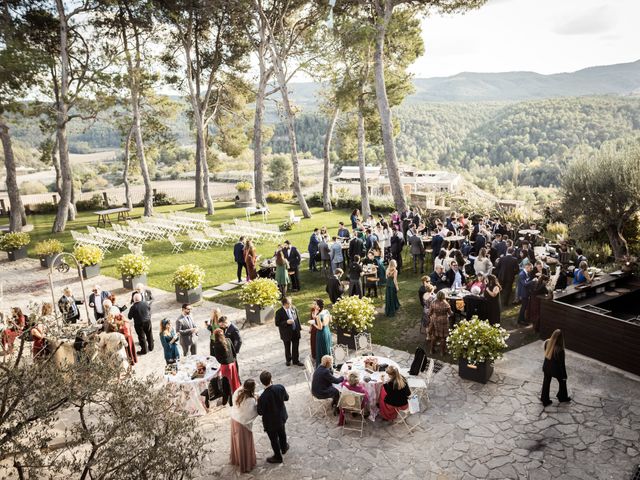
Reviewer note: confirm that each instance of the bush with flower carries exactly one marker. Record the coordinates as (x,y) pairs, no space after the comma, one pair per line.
(88,255)
(48,247)
(13,241)
(353,313)
(187,277)
(262,292)
(243,186)
(477,341)
(133,265)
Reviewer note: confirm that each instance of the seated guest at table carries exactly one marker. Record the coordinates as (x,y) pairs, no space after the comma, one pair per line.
(441,260)
(581,274)
(482,263)
(147,295)
(122,326)
(439,314)
(335,254)
(427,298)
(96,299)
(355,274)
(274,416)
(292,255)
(417,251)
(14,329)
(68,306)
(455,276)
(352,382)
(439,278)
(479,281)
(231,332)
(223,351)
(169,340)
(334,288)
(321,321)
(394,395)
(343,232)
(391,302)
(243,413)
(288,323)
(282,273)
(323,381)
(396,244)
(475,304)
(239,258)
(492,297)
(554,367)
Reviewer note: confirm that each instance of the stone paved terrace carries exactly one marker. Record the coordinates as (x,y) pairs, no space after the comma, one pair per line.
(498,430)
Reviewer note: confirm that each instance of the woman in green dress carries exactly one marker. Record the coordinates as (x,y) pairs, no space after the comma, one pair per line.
(282,273)
(321,320)
(391,303)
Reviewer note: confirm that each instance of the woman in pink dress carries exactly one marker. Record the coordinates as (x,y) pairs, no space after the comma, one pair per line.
(243,412)
(353,383)
(122,326)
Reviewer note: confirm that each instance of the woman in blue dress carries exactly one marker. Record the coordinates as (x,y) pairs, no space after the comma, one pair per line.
(169,341)
(321,319)
(581,275)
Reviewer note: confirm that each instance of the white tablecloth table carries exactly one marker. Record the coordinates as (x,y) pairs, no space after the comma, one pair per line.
(185,390)
(373,386)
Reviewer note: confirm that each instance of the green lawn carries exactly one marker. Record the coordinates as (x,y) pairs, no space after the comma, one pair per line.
(401,332)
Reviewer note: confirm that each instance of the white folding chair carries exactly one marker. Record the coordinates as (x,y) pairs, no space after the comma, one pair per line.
(349,403)
(419,385)
(308,366)
(340,354)
(135,248)
(402,417)
(317,405)
(293,218)
(177,246)
(363,344)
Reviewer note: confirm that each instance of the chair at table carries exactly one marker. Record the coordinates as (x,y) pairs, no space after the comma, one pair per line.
(419,385)
(351,402)
(308,366)
(363,344)
(317,405)
(340,354)
(402,417)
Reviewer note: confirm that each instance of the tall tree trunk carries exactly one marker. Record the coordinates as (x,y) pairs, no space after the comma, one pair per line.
(364,187)
(258,176)
(125,170)
(65,206)
(17,216)
(618,243)
(56,165)
(393,171)
(326,193)
(202,135)
(199,201)
(290,119)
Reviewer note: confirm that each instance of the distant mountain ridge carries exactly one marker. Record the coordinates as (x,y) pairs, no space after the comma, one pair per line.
(617,79)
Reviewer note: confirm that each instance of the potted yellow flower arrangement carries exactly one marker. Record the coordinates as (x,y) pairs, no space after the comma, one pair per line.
(259,297)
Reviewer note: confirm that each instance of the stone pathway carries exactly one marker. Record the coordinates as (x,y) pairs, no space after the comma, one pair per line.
(469,431)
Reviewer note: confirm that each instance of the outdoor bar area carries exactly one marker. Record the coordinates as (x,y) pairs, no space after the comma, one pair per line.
(600,320)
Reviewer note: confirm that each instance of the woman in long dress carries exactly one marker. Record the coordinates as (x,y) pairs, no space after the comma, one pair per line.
(391,303)
(492,296)
(169,342)
(243,412)
(225,355)
(439,314)
(321,320)
(313,331)
(122,326)
(282,273)
(250,260)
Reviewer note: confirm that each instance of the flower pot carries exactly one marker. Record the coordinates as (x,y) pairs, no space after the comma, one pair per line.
(46,261)
(90,271)
(478,373)
(259,315)
(17,254)
(347,337)
(245,199)
(191,295)
(131,282)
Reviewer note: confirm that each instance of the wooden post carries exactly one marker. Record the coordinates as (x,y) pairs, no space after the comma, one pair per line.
(2,207)
(55,199)
(106,199)
(153,198)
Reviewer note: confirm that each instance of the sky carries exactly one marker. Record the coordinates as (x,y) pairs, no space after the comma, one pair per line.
(544,36)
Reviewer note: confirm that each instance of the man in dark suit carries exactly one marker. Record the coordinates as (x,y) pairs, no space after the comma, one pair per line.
(239,257)
(288,323)
(274,416)
(396,243)
(356,246)
(417,251)
(144,292)
(335,289)
(231,332)
(506,271)
(436,245)
(523,291)
(323,380)
(314,241)
(141,315)
(455,276)
(439,279)
(294,258)
(96,300)
(68,306)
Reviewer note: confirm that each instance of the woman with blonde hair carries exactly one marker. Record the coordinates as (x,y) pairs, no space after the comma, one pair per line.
(243,413)
(391,302)
(554,367)
(212,326)
(394,394)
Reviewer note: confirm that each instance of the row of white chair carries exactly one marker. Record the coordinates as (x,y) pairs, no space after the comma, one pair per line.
(260,230)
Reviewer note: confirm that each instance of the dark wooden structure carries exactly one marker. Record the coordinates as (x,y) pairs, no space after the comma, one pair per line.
(601,320)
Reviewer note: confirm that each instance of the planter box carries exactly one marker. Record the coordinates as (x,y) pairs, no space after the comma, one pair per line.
(17,254)
(347,337)
(478,373)
(245,199)
(131,282)
(46,261)
(259,315)
(192,295)
(90,271)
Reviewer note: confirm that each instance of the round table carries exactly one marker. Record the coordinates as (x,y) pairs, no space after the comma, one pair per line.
(186,390)
(374,385)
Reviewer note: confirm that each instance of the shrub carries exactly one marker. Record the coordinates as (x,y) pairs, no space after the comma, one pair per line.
(188,276)
(161,198)
(32,187)
(48,247)
(14,240)
(281,172)
(557,231)
(477,341)
(133,265)
(279,197)
(95,202)
(88,255)
(262,292)
(353,313)
(41,208)
(597,253)
(244,186)
(287,226)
